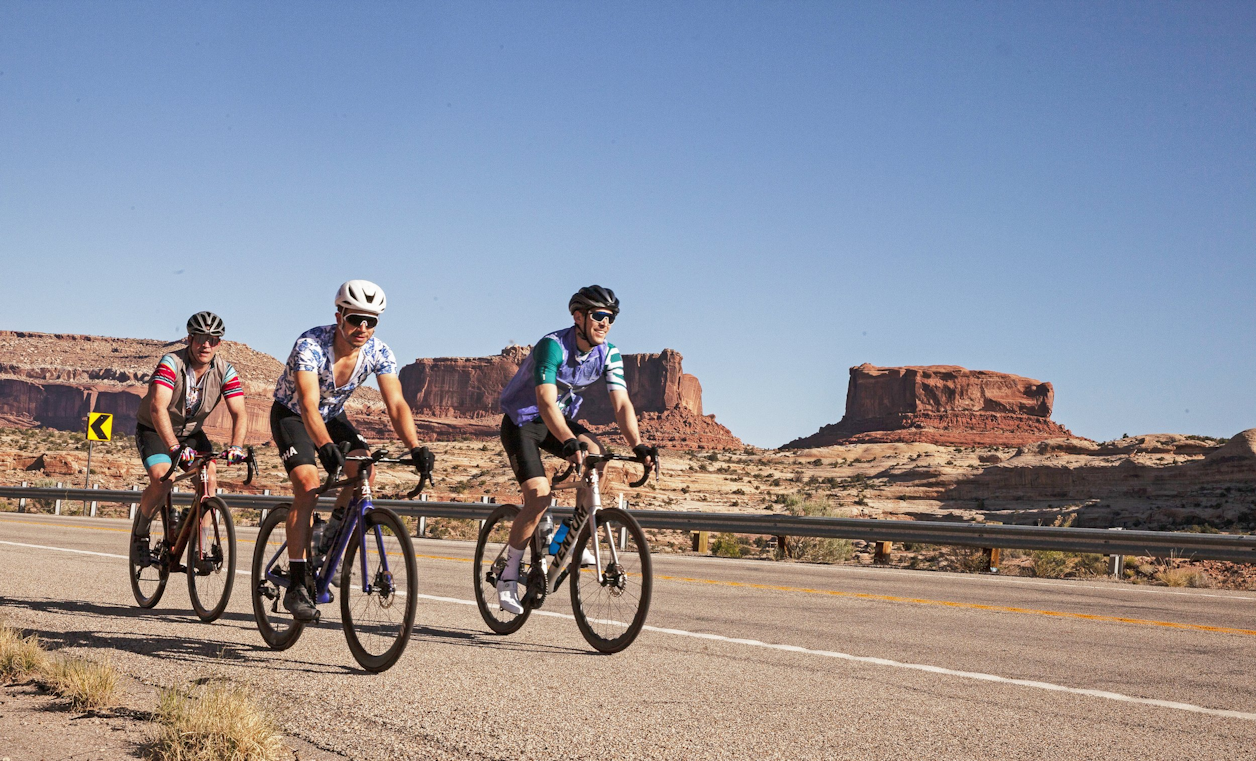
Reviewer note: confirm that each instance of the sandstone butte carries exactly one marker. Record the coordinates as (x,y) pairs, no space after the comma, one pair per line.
(460,394)
(940,404)
(54,380)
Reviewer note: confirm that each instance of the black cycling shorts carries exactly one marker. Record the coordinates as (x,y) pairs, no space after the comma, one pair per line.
(153,450)
(524,443)
(294,443)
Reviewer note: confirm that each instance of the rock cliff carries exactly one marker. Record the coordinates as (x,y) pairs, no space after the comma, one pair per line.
(668,400)
(940,404)
(54,380)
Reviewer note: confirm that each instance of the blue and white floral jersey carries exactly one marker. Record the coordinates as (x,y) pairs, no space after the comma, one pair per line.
(313,353)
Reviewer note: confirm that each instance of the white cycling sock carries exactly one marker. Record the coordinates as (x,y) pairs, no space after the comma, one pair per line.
(513,557)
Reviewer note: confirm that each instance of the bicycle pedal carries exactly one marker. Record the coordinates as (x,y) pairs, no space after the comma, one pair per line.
(318,615)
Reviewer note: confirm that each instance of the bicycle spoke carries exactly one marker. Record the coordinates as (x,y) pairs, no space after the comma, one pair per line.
(611,601)
(378,606)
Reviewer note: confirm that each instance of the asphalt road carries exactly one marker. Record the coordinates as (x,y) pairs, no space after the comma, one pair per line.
(741,659)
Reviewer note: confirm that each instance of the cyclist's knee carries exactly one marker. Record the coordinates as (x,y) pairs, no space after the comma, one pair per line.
(595,446)
(304,480)
(536,490)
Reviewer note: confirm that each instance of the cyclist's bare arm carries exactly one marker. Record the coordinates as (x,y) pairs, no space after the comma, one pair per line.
(308,394)
(159,406)
(398,410)
(547,405)
(626,416)
(239,419)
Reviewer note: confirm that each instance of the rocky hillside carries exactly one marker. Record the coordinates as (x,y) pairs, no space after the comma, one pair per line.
(940,404)
(53,380)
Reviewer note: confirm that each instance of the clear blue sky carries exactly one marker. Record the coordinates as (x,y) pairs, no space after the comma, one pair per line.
(777,190)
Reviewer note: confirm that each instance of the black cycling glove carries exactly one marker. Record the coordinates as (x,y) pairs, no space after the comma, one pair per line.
(330,456)
(423,459)
(570,447)
(642,452)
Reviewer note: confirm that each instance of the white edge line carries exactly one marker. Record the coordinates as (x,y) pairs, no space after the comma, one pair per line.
(865,659)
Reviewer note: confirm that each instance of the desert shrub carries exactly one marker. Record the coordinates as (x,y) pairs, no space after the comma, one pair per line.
(222,722)
(726,546)
(815,549)
(1049,564)
(453,528)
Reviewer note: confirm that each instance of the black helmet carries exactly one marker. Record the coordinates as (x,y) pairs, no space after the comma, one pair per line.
(593,297)
(206,324)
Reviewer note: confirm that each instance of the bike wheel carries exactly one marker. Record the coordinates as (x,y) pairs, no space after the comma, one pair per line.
(212,561)
(610,602)
(490,561)
(277,626)
(377,609)
(149,572)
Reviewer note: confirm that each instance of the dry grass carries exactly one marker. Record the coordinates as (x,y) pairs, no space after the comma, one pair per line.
(1183,576)
(85,683)
(221,723)
(20,656)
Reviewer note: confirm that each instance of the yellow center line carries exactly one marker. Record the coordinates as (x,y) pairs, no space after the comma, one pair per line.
(856,595)
(966,605)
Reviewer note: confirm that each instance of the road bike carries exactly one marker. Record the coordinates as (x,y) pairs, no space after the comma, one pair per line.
(377,593)
(609,598)
(211,550)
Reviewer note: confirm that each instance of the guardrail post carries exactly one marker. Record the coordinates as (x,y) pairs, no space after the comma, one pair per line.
(992,559)
(782,545)
(623,537)
(56,508)
(882,552)
(134,505)
(21,502)
(94,486)
(623,503)
(701,541)
(422,527)
(1116,563)
(264,511)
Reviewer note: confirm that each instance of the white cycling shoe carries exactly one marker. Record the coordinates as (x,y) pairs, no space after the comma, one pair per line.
(586,557)
(508,596)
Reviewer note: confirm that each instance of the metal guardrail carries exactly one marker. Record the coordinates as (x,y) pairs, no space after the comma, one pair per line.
(1234,548)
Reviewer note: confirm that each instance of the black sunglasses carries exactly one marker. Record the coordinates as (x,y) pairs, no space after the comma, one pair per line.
(362,320)
(600,316)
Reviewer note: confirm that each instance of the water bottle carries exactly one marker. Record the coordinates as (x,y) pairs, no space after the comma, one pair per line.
(559,535)
(328,537)
(545,531)
(316,534)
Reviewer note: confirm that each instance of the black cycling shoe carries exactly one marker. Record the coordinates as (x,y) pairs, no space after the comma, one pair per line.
(205,566)
(297,601)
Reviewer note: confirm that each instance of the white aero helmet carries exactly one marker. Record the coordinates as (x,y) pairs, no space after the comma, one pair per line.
(361,296)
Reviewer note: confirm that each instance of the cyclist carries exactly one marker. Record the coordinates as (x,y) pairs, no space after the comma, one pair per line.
(186,386)
(540,404)
(307,419)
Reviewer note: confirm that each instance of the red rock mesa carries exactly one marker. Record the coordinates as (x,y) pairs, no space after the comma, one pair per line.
(940,404)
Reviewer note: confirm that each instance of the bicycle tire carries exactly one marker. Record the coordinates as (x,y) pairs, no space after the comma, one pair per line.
(492,540)
(375,636)
(601,596)
(148,582)
(218,582)
(278,628)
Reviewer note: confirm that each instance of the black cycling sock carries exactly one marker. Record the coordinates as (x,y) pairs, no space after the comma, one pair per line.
(297,572)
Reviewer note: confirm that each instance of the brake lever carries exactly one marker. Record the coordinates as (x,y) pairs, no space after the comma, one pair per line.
(250,462)
(174,462)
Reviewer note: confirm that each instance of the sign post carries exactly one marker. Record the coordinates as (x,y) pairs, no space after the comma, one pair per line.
(99,428)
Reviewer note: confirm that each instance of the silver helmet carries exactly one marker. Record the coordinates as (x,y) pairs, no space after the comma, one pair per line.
(206,324)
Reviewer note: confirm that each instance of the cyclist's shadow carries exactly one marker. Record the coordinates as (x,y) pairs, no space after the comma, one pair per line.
(182,647)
